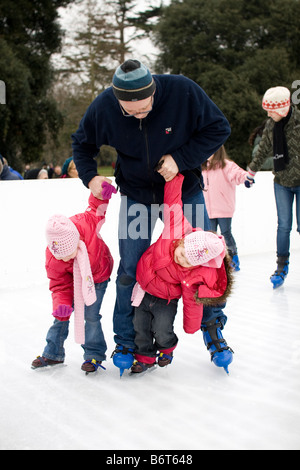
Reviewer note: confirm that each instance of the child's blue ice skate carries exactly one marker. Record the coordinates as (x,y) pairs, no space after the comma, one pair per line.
(221,354)
(235,263)
(122,358)
(280,274)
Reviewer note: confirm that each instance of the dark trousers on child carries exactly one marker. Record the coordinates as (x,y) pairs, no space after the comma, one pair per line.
(154,327)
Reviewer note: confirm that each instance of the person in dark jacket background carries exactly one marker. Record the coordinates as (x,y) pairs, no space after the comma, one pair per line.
(159,125)
(6,172)
(36,174)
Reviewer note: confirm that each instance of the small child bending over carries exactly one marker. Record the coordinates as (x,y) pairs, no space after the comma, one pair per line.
(186,263)
(78,264)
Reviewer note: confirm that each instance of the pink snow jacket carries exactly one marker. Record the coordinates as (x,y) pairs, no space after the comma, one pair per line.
(60,273)
(220,187)
(159,275)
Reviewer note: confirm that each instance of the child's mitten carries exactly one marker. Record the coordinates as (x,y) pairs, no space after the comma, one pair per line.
(63,312)
(107,190)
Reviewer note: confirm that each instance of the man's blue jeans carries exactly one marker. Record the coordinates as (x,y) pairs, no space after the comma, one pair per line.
(136,225)
(284,197)
(95,345)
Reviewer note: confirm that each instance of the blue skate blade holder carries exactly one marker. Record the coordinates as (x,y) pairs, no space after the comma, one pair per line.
(123,361)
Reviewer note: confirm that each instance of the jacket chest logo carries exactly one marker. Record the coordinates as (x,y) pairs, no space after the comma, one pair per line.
(168,130)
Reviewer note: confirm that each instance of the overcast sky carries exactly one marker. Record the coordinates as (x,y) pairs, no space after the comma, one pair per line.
(71,20)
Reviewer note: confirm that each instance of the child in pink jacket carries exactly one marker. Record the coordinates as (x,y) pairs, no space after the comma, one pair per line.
(185,263)
(78,265)
(221,176)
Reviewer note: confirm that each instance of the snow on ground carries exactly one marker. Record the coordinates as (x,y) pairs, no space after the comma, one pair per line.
(191,404)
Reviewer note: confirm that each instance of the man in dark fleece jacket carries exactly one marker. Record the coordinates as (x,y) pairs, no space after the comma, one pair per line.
(159,125)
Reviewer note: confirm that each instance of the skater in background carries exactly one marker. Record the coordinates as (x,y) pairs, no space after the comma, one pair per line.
(78,264)
(36,174)
(221,176)
(57,171)
(6,172)
(69,169)
(281,139)
(183,263)
(149,119)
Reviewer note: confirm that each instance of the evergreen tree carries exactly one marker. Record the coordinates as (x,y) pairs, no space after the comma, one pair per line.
(29,35)
(96,51)
(235,50)
(100,43)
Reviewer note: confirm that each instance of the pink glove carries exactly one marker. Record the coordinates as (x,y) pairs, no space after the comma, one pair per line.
(107,190)
(63,312)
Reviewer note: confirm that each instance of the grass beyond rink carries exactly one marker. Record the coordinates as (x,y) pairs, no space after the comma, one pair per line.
(106,171)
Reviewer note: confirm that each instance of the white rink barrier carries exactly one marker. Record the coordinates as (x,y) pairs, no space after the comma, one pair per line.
(27,205)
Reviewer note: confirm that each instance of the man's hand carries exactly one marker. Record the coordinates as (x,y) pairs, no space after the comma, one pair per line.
(169,169)
(250,178)
(95,185)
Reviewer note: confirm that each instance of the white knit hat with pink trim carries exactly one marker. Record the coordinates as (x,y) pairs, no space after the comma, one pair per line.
(204,248)
(277,99)
(62,236)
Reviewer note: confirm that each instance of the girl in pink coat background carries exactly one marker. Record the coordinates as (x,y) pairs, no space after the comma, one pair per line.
(186,263)
(221,176)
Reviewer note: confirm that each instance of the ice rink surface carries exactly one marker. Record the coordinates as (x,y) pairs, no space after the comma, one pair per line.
(189,405)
